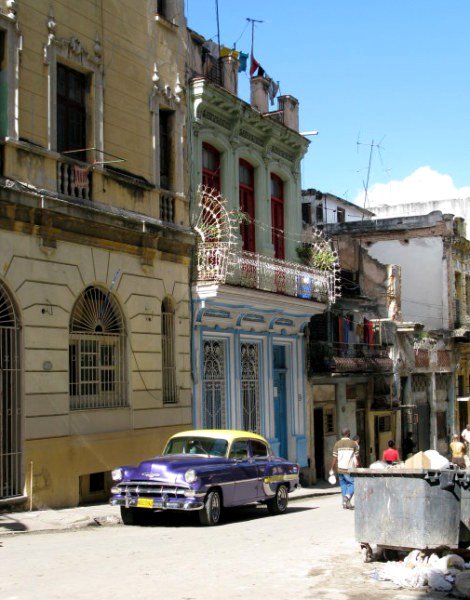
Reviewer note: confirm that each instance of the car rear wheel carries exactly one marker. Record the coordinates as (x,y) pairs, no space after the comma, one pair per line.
(210,514)
(278,504)
(134,516)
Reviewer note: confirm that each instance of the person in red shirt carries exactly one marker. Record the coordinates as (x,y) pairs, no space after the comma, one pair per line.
(391,454)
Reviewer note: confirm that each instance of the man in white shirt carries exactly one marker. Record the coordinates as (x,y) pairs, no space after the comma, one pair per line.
(466,441)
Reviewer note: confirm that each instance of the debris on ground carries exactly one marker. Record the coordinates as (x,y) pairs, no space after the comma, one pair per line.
(416,570)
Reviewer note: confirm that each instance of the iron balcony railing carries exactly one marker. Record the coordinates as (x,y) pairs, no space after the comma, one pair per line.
(342,357)
(216,262)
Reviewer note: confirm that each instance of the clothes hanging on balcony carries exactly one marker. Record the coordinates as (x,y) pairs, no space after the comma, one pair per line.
(80,175)
(346,328)
(368,332)
(340,330)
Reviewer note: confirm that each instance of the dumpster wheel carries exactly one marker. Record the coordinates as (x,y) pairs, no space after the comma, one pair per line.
(366,553)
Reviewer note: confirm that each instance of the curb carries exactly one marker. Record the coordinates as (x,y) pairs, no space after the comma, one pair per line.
(313,495)
(87,521)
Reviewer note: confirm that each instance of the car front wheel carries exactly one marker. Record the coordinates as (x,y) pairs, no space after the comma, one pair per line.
(133,516)
(278,504)
(210,514)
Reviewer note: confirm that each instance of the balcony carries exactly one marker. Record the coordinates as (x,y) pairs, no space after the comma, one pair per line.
(215,263)
(74,178)
(348,358)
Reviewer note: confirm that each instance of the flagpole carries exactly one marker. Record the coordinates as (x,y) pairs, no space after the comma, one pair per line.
(253,21)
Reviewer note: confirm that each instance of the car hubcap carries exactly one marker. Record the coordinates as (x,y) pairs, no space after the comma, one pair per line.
(215,508)
(282,498)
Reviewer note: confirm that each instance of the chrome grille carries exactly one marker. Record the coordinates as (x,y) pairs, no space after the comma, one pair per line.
(151,488)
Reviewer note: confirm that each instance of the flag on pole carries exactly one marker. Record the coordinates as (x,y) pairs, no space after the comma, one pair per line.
(243,58)
(254,65)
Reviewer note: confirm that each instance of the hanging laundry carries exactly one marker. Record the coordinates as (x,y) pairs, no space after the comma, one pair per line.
(346,330)
(368,332)
(254,65)
(340,330)
(243,58)
(272,90)
(224,51)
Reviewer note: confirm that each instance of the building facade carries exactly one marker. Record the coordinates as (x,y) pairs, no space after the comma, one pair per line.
(349,360)
(252,298)
(322,208)
(425,249)
(95,244)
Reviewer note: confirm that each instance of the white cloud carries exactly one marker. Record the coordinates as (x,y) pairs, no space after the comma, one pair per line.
(423,185)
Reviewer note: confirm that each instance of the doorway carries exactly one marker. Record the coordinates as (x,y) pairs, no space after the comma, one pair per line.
(280,400)
(319,442)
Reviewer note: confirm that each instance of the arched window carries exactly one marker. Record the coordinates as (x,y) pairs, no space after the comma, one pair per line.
(168,353)
(10,399)
(97,352)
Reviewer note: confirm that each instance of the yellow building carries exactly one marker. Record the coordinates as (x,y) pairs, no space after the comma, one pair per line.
(94,243)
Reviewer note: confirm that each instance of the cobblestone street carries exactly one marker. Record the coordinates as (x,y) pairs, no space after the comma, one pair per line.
(308,553)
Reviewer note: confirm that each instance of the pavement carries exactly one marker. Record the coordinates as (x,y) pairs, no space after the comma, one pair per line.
(96,515)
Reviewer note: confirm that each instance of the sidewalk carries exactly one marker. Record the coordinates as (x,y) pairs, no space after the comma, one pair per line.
(102,514)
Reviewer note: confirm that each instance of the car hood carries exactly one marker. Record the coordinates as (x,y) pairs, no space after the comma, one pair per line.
(172,468)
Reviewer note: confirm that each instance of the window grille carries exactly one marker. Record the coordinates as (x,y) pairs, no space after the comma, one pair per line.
(250,387)
(214,384)
(97,353)
(10,400)
(384,424)
(168,353)
(442,382)
(329,427)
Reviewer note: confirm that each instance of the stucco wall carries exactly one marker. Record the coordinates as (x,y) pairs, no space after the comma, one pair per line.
(424,278)
(44,284)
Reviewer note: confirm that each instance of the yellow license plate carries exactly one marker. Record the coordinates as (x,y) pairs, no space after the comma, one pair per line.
(144,503)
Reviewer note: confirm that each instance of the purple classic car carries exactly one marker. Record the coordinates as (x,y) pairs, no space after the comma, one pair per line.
(205,470)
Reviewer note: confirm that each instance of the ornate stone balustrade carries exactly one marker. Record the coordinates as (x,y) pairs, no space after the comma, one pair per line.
(74,178)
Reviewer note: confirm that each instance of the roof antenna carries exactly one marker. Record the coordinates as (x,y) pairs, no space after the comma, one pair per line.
(366,183)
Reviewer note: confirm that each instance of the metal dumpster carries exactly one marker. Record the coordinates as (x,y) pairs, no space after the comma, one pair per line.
(406,509)
(462,478)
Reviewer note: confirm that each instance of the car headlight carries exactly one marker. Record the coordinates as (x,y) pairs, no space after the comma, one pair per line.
(190,476)
(116,474)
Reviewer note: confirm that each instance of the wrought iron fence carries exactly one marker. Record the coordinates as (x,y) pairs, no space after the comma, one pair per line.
(273,275)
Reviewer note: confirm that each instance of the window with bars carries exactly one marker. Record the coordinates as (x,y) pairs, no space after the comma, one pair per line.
(329,421)
(11,483)
(168,353)
(214,384)
(96,352)
(251,417)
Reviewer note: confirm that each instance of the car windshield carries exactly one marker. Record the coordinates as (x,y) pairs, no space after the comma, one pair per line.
(197,445)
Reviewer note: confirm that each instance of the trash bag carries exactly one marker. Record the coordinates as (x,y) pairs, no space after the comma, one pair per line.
(462,585)
(437,460)
(378,464)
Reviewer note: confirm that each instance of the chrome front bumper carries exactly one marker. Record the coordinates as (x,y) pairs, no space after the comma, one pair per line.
(187,504)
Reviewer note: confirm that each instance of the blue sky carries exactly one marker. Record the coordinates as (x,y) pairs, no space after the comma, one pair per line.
(392,71)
